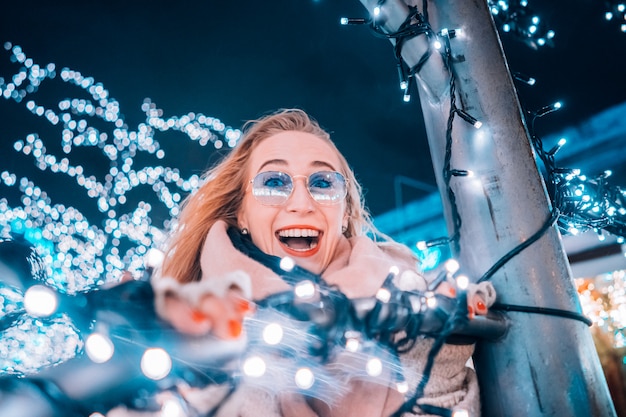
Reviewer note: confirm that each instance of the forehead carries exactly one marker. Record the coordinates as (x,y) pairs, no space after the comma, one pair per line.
(295,151)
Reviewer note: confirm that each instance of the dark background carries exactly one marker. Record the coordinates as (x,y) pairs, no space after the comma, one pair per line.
(236,60)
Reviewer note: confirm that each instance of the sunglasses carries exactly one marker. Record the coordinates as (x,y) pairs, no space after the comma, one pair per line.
(273,188)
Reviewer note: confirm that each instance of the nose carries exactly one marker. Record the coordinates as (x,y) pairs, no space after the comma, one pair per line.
(300,199)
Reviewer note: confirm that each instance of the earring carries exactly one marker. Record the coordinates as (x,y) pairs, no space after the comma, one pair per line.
(245,231)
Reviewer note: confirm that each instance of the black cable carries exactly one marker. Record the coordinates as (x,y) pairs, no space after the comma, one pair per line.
(542,310)
(515,251)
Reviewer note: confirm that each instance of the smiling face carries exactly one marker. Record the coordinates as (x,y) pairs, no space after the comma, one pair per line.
(301,228)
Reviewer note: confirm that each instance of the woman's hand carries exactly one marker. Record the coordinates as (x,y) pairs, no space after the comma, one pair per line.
(217,307)
(479,296)
(220,316)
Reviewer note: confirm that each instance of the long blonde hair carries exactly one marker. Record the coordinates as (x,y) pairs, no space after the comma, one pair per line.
(221,195)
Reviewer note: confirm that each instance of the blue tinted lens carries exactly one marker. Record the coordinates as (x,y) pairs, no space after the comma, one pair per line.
(273,188)
(327,187)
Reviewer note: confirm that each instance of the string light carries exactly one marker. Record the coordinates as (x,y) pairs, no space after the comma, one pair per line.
(99,347)
(80,254)
(287,264)
(156,363)
(616,11)
(273,334)
(305,289)
(77,133)
(254,367)
(518,19)
(40,301)
(304,378)
(374,367)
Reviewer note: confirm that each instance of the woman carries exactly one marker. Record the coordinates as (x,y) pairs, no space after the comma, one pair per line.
(287,190)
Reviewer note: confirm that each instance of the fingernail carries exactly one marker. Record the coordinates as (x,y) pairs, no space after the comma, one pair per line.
(481,307)
(197,316)
(235,328)
(452,291)
(243,306)
(470,311)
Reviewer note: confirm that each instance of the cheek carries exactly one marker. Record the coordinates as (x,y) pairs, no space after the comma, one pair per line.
(258,219)
(335,217)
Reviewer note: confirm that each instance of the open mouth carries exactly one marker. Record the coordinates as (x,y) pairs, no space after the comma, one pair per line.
(299,241)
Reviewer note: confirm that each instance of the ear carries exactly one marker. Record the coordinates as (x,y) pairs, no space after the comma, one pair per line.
(345,222)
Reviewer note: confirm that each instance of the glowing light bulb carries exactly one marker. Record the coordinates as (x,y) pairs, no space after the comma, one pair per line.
(376,11)
(273,334)
(172,408)
(304,378)
(156,363)
(421,245)
(431,301)
(402,387)
(462,281)
(99,348)
(40,301)
(383,295)
(305,289)
(153,258)
(352,344)
(394,270)
(437,44)
(254,366)
(287,264)
(343,21)
(374,367)
(460,413)
(452,265)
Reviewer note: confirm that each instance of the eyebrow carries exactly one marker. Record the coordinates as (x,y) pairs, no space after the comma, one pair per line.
(319,164)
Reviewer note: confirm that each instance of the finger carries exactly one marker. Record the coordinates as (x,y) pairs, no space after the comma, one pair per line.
(478,305)
(225,315)
(186,319)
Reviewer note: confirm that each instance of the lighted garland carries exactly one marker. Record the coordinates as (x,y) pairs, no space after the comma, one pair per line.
(79,257)
(616,12)
(80,254)
(313,335)
(517,18)
(110,193)
(583,203)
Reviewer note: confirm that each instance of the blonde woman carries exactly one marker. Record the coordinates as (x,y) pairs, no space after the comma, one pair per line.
(287,191)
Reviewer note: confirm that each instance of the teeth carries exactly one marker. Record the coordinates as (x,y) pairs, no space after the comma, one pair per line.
(299,233)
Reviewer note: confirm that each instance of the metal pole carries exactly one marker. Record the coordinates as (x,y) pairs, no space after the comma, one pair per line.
(545,365)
